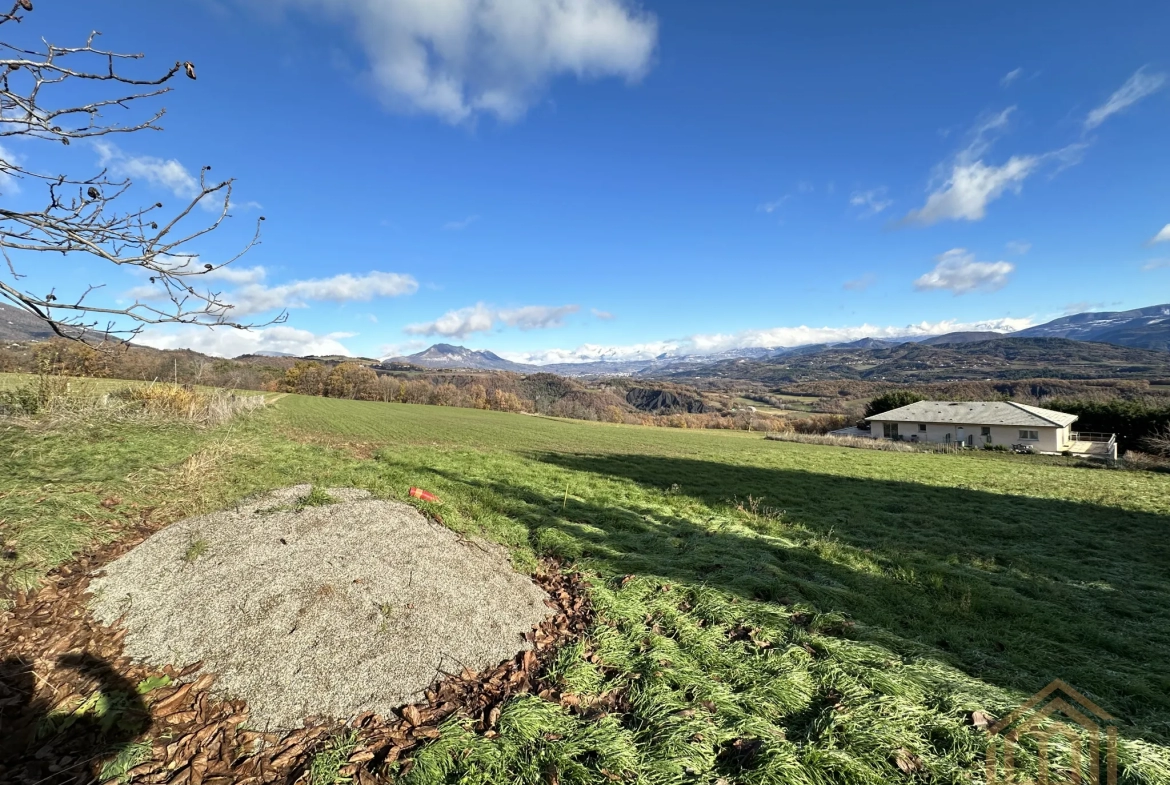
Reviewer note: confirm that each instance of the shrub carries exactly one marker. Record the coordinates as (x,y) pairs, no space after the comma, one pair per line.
(1158,442)
(44,393)
(894,399)
(183,402)
(1132,420)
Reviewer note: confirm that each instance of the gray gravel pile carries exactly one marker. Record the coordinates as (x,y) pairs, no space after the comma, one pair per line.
(329,611)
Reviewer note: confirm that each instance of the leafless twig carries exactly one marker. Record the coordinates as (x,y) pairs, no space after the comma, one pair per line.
(83,215)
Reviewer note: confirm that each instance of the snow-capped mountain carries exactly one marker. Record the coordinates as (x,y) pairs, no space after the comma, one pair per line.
(1141,328)
(444,355)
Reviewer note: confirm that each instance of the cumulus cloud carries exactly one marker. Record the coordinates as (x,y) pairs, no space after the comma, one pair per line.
(400,349)
(1162,236)
(963,188)
(1137,87)
(460,58)
(1011,76)
(958,272)
(482,318)
(226,342)
(235,274)
(252,296)
(461,323)
(168,174)
(971,187)
(775,337)
(163,173)
(872,201)
(1019,247)
(257,298)
(860,284)
(537,317)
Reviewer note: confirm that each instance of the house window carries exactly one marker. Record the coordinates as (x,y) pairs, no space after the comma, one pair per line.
(890,430)
(1029,436)
(985,432)
(922,427)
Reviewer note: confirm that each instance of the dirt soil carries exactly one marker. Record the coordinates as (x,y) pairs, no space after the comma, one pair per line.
(318,611)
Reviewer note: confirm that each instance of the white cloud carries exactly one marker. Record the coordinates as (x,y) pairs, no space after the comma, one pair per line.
(971,187)
(1081,307)
(237,275)
(481,318)
(1162,236)
(767,338)
(773,206)
(1137,87)
(9,184)
(873,200)
(459,226)
(227,342)
(962,188)
(253,297)
(1156,264)
(860,284)
(257,298)
(457,324)
(1011,76)
(537,317)
(600,314)
(460,58)
(1019,247)
(958,272)
(168,174)
(400,349)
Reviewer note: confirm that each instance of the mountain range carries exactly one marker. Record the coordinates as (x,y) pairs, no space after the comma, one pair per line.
(1141,328)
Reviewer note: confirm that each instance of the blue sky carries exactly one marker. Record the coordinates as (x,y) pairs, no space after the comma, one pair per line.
(568,179)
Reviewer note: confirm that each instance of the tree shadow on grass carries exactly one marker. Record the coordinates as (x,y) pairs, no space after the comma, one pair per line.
(46,741)
(1015,591)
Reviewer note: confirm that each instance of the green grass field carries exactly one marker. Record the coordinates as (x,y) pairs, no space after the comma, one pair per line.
(799,613)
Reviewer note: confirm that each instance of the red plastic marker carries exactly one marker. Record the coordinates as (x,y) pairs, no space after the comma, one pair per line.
(426,496)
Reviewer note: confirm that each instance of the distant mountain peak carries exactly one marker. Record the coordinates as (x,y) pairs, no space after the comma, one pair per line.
(449,356)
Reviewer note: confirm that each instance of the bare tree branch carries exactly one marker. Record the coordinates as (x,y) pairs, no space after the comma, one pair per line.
(83,215)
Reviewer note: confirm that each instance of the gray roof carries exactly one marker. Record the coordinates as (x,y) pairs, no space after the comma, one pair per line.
(977,413)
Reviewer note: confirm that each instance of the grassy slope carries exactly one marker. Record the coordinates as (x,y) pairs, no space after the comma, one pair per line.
(970,580)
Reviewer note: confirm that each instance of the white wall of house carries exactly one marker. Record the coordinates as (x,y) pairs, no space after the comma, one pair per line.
(1050,439)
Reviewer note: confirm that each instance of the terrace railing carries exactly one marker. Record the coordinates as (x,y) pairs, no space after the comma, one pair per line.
(1082,436)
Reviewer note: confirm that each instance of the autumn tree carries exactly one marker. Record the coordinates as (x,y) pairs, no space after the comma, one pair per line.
(354,381)
(306,378)
(61,95)
(70,358)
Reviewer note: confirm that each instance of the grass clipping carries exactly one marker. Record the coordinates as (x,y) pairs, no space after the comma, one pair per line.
(311,604)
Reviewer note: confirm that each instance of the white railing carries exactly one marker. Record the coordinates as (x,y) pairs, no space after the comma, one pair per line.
(1107,438)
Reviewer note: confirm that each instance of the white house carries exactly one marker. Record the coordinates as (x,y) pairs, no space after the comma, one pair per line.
(974,424)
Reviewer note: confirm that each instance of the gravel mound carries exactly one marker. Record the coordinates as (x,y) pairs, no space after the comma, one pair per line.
(325,611)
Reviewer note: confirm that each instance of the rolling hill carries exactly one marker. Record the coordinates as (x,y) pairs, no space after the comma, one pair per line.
(18,325)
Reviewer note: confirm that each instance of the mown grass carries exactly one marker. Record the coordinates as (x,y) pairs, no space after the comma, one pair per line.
(895,593)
